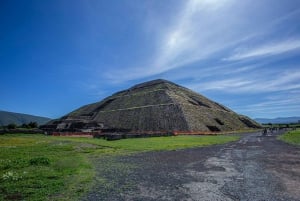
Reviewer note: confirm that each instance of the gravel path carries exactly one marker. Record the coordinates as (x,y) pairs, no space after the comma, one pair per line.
(254,168)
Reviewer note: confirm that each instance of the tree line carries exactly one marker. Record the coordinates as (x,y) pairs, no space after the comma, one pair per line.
(24,125)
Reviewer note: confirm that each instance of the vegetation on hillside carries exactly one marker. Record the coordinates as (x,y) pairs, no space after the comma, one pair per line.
(38,167)
(30,125)
(19,119)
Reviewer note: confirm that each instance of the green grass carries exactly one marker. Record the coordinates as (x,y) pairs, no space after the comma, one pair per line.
(38,167)
(292,137)
(163,143)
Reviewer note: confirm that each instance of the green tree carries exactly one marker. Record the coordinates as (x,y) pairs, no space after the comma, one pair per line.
(24,126)
(12,126)
(32,125)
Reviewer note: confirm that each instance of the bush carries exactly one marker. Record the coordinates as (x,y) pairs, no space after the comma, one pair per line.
(13,176)
(12,126)
(32,125)
(24,126)
(39,161)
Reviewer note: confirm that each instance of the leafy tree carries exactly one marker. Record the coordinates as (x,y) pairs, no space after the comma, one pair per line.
(24,126)
(32,125)
(12,126)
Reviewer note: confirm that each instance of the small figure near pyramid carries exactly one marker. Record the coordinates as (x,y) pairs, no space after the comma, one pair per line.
(154,107)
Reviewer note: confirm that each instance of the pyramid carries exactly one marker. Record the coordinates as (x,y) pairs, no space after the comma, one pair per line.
(154,106)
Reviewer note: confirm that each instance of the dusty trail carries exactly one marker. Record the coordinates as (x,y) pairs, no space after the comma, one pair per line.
(254,168)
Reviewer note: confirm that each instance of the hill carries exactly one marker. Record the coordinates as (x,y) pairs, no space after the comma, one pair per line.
(154,106)
(279,120)
(19,118)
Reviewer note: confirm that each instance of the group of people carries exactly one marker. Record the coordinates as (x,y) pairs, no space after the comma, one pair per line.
(268,130)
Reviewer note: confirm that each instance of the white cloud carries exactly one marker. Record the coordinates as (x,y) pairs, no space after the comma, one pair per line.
(266,50)
(256,82)
(275,105)
(204,31)
(225,84)
(189,38)
(212,73)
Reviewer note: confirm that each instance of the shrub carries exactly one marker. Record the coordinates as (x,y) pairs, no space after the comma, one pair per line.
(12,126)
(25,126)
(13,176)
(32,125)
(39,161)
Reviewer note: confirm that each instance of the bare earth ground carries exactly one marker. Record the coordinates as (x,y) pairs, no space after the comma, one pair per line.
(254,168)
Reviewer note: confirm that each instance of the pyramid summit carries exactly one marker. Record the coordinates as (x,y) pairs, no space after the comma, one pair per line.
(154,106)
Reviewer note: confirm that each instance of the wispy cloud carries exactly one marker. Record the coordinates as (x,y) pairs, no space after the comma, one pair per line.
(225,84)
(252,83)
(181,43)
(287,102)
(188,39)
(207,30)
(266,50)
(199,74)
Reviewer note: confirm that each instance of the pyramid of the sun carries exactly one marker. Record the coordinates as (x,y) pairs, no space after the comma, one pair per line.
(157,105)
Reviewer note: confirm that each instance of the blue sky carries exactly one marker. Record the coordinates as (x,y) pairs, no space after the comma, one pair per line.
(58,55)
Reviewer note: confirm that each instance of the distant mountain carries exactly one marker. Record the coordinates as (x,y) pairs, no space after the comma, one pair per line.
(279,120)
(19,119)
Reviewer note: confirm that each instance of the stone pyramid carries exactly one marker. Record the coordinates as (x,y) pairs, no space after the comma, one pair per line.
(154,106)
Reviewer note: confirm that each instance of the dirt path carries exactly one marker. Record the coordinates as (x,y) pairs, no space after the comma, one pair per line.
(255,168)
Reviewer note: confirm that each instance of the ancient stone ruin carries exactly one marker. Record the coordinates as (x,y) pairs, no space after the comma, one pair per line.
(157,107)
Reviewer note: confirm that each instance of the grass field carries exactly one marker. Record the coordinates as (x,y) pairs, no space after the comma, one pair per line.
(38,167)
(292,137)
